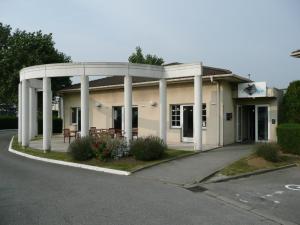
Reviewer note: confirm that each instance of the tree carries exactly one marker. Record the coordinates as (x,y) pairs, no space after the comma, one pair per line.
(138,57)
(291,103)
(21,49)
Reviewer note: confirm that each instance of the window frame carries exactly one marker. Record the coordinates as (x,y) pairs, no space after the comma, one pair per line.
(178,110)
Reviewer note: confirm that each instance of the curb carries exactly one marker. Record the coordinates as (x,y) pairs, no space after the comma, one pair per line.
(176,158)
(4,130)
(59,162)
(251,173)
(164,161)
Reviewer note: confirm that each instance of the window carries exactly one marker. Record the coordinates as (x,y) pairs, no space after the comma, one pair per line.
(74,115)
(204,115)
(118,117)
(175,116)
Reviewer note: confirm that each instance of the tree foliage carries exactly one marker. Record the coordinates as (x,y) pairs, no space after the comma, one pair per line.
(21,49)
(291,103)
(138,57)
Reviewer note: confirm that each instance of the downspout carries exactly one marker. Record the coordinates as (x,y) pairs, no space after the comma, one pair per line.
(218,107)
(219,110)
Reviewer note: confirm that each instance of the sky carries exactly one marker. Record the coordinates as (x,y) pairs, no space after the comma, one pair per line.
(252,37)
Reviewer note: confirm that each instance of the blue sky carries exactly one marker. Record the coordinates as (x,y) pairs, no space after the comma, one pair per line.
(248,37)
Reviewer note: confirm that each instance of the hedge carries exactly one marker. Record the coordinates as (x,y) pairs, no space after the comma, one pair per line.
(8,122)
(288,135)
(56,125)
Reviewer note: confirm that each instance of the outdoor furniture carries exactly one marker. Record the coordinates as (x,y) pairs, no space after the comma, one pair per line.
(135,132)
(93,131)
(69,134)
(119,133)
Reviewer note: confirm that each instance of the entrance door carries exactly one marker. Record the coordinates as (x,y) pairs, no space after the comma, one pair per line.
(119,118)
(187,123)
(262,123)
(252,123)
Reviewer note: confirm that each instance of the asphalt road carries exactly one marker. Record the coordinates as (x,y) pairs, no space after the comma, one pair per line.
(276,193)
(33,192)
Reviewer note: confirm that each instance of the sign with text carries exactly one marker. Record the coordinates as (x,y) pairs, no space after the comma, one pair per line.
(252,90)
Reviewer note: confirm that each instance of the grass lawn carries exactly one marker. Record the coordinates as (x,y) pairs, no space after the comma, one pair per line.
(128,164)
(253,162)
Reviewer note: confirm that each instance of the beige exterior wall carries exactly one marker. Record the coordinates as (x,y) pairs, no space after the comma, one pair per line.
(219,131)
(148,119)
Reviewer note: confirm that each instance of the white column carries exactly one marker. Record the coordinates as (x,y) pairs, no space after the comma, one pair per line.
(198,113)
(25,113)
(47,114)
(84,106)
(32,113)
(163,109)
(128,107)
(20,114)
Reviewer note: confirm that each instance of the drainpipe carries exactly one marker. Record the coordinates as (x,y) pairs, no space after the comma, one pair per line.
(218,107)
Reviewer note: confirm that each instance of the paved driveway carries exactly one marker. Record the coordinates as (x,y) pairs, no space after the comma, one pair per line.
(194,168)
(267,193)
(34,192)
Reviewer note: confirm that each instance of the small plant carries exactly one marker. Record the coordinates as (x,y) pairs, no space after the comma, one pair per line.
(148,148)
(81,149)
(269,152)
(106,148)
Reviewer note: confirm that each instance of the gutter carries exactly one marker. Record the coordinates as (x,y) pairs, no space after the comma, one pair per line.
(154,83)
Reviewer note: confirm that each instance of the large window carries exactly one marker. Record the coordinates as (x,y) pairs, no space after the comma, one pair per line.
(176,116)
(118,117)
(76,117)
(204,115)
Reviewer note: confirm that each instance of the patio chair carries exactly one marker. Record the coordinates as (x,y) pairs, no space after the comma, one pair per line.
(119,133)
(93,131)
(68,134)
(135,132)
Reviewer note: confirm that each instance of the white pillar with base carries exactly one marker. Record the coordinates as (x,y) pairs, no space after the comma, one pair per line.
(197,113)
(163,109)
(47,114)
(25,113)
(20,113)
(32,113)
(128,107)
(84,105)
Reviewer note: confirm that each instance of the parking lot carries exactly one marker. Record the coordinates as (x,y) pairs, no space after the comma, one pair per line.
(276,193)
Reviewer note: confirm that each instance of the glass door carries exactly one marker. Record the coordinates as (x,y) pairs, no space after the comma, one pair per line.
(262,123)
(239,123)
(187,123)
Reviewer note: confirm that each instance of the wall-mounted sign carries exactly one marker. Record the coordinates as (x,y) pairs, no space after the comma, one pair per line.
(252,90)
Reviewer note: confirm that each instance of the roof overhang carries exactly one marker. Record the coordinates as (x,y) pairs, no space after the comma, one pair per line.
(233,78)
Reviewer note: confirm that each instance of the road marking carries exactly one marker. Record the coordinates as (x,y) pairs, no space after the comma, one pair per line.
(293,187)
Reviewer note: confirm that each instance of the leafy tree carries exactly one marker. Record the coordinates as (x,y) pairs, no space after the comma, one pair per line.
(21,49)
(291,103)
(138,57)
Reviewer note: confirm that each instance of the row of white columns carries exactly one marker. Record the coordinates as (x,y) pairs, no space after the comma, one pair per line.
(28,111)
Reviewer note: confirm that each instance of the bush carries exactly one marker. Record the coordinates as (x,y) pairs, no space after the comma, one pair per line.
(57,124)
(148,148)
(106,147)
(81,149)
(269,152)
(8,122)
(288,136)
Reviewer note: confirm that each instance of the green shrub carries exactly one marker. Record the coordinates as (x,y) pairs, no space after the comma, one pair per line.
(8,122)
(81,149)
(269,152)
(106,147)
(148,148)
(57,124)
(288,136)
